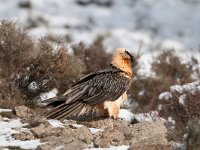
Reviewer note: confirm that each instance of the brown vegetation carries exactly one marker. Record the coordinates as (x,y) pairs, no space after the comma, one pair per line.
(95,56)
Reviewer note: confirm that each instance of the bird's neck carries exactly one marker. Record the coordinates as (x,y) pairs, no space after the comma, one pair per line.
(124,65)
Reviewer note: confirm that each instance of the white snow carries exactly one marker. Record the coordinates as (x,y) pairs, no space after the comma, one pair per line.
(11,126)
(56,123)
(77,125)
(5,110)
(185,136)
(47,95)
(160,107)
(141,93)
(189,87)
(170,44)
(180,146)
(171,120)
(95,130)
(182,99)
(151,116)
(126,115)
(59,147)
(33,86)
(165,96)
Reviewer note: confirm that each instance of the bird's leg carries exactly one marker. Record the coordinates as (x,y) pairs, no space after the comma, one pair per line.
(113,110)
(113,107)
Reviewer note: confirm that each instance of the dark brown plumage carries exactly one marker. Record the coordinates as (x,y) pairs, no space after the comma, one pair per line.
(94,94)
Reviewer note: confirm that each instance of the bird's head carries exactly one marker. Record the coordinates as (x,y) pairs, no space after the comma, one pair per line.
(123,60)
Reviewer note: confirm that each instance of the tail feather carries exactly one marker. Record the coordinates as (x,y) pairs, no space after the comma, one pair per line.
(74,112)
(63,108)
(65,111)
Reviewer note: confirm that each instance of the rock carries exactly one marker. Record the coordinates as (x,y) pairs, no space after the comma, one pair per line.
(45,130)
(119,132)
(64,142)
(106,124)
(110,137)
(102,142)
(119,124)
(24,136)
(151,147)
(146,134)
(23,111)
(113,135)
(84,134)
(66,137)
(29,115)
(76,144)
(100,124)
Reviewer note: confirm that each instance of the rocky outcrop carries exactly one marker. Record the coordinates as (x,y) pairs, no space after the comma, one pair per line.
(103,133)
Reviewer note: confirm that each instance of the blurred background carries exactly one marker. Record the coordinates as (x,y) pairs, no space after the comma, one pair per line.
(152,24)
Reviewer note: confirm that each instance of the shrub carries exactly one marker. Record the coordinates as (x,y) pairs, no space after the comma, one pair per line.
(27,70)
(52,68)
(95,56)
(15,52)
(15,49)
(169,65)
(169,70)
(193,131)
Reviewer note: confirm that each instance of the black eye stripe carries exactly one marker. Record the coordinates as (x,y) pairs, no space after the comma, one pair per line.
(128,53)
(132,58)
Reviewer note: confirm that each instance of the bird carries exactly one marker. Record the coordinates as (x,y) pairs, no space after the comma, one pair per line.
(100,93)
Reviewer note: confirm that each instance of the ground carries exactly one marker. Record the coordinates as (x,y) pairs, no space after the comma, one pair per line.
(23,128)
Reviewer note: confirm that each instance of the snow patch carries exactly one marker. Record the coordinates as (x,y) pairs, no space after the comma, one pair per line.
(180,146)
(126,115)
(59,147)
(5,110)
(160,107)
(95,130)
(33,86)
(165,96)
(148,117)
(182,99)
(56,123)
(49,94)
(171,120)
(170,44)
(151,116)
(9,127)
(189,87)
(77,125)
